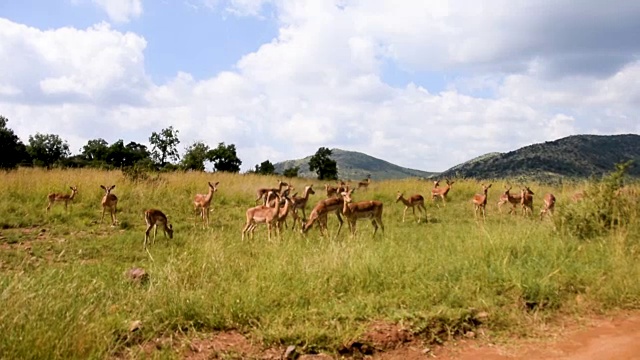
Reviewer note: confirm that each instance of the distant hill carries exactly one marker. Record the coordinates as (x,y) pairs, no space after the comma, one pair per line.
(577,156)
(354,165)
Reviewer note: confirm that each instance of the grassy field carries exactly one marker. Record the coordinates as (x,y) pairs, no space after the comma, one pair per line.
(64,295)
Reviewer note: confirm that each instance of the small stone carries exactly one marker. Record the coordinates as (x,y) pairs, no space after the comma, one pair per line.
(135,326)
(426,351)
(470,334)
(137,275)
(290,353)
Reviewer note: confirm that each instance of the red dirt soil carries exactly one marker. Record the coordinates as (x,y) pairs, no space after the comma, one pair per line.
(603,338)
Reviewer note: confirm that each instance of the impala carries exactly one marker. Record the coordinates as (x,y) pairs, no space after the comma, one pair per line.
(57,197)
(262,192)
(363,184)
(319,214)
(526,200)
(480,201)
(441,192)
(202,203)
(335,190)
(261,214)
(155,218)
(284,192)
(300,203)
(548,206)
(109,202)
(412,202)
(506,197)
(371,209)
(578,196)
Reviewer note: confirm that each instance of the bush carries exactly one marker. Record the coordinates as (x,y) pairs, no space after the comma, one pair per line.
(605,207)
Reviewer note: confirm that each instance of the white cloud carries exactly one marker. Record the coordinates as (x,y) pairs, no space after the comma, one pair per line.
(121,11)
(321,82)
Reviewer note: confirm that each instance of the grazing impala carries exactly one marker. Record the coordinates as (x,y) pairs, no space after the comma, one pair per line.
(548,206)
(526,200)
(262,192)
(441,192)
(319,214)
(202,203)
(480,201)
(155,218)
(57,197)
(109,202)
(300,203)
(262,214)
(506,197)
(414,201)
(371,209)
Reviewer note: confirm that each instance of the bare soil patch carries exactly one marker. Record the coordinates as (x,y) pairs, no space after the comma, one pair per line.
(599,337)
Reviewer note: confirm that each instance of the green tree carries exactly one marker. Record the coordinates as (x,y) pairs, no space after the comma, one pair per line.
(195,156)
(47,149)
(12,150)
(291,172)
(95,150)
(265,168)
(224,158)
(165,146)
(322,164)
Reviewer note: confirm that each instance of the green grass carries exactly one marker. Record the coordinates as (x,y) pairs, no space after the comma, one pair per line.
(64,294)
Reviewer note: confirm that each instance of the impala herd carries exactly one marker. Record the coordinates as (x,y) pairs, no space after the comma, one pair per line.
(277,204)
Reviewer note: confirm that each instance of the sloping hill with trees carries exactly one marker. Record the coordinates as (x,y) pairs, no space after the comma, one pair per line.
(353,165)
(577,156)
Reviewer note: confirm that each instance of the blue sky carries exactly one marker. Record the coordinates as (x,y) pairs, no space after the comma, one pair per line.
(423,85)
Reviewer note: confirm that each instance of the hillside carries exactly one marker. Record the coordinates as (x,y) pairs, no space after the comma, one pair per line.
(577,156)
(355,166)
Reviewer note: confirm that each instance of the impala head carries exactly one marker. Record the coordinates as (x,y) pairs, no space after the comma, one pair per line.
(282,183)
(507,189)
(309,189)
(449,183)
(213,187)
(485,188)
(74,189)
(170,231)
(399,196)
(436,183)
(346,195)
(526,190)
(107,190)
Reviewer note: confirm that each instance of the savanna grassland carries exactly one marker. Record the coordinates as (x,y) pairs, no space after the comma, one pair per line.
(64,294)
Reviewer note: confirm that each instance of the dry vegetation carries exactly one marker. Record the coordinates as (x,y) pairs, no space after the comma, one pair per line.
(64,295)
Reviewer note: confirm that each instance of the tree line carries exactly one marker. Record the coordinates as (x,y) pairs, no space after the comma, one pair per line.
(50,150)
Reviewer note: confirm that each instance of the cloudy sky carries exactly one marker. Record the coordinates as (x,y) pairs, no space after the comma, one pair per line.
(422,84)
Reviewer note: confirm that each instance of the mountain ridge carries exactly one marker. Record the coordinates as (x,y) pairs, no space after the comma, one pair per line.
(354,165)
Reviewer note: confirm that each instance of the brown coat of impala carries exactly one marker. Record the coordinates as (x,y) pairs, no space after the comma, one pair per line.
(370,209)
(109,202)
(480,201)
(65,198)
(202,203)
(155,218)
(413,202)
(319,214)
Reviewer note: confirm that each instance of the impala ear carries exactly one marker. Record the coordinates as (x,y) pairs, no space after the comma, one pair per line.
(113,187)
(102,186)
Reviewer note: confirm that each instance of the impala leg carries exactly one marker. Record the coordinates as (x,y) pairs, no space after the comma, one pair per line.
(102,218)
(404,213)
(340,221)
(375,226)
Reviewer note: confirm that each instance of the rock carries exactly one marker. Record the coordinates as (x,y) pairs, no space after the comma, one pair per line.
(137,275)
(470,334)
(290,353)
(426,351)
(135,326)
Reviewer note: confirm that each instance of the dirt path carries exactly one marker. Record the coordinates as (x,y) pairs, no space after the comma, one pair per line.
(603,338)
